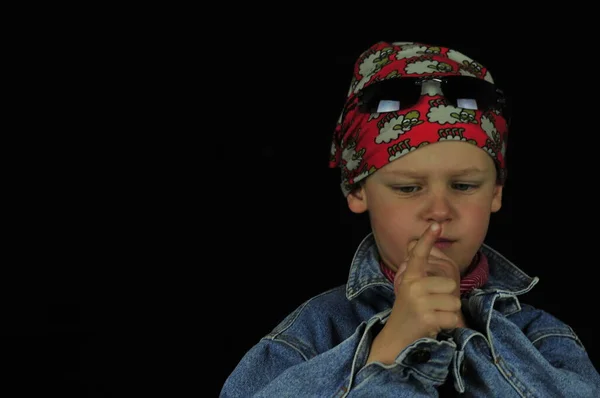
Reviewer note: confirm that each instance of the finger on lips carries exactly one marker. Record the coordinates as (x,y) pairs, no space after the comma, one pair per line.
(420,252)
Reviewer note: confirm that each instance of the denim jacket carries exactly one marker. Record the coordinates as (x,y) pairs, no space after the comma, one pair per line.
(509,350)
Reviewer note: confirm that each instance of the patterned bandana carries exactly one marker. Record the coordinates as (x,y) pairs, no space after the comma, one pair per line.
(364,142)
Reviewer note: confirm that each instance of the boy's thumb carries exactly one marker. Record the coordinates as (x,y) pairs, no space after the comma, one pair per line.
(399,275)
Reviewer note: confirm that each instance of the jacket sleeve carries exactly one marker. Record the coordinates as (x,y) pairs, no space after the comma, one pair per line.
(552,358)
(281,367)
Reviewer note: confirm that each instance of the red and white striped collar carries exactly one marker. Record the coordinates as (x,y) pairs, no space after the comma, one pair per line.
(475,277)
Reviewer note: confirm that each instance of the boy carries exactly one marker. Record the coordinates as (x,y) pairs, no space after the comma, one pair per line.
(428,309)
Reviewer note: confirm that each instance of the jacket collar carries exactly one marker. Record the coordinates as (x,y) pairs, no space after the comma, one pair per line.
(505,277)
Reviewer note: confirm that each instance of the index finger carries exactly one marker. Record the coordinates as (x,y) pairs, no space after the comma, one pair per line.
(420,253)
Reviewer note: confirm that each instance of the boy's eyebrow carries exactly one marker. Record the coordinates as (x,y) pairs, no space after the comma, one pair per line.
(461,172)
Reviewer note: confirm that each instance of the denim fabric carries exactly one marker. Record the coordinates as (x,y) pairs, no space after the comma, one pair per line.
(509,350)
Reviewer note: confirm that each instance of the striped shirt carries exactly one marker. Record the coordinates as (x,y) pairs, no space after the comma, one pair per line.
(475,277)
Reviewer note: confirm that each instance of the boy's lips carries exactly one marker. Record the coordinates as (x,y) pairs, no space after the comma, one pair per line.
(444,243)
(440,243)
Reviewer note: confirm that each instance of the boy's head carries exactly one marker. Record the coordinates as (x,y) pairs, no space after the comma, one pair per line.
(422,138)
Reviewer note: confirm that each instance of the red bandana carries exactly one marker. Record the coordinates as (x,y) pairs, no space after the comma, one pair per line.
(476,276)
(365,142)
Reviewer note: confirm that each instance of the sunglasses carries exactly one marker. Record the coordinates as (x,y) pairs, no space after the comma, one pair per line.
(465,92)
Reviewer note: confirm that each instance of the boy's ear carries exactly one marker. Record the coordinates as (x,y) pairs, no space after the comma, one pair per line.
(497,198)
(357,200)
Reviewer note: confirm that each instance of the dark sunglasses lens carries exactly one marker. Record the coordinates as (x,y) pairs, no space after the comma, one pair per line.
(470,93)
(389,96)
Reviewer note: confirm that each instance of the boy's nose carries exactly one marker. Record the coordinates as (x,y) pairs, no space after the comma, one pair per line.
(438,209)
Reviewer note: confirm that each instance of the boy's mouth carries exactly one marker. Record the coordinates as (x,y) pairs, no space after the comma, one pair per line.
(443,243)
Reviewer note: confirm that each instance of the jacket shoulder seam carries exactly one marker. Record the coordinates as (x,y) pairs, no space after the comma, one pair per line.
(287,343)
(291,319)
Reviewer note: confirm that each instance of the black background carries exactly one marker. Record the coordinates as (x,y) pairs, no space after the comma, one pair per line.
(182,205)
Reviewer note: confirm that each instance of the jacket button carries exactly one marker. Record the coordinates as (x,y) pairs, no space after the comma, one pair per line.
(419,356)
(463,368)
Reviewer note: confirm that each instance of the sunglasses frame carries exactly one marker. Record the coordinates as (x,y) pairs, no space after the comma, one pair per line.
(499,102)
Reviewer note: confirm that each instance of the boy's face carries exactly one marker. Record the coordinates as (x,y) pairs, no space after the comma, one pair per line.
(452,183)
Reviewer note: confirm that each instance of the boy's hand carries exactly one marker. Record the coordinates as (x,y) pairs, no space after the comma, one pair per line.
(427,299)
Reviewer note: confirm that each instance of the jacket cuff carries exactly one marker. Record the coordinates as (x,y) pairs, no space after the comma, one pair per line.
(426,359)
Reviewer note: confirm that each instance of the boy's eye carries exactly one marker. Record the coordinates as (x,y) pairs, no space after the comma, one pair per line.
(464,187)
(406,189)
(414,188)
